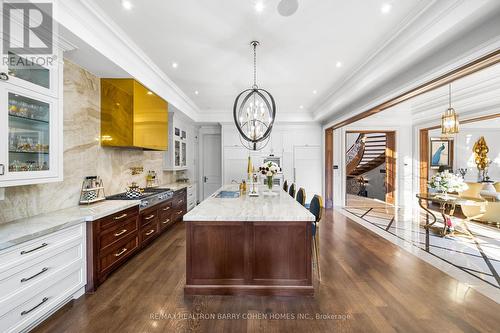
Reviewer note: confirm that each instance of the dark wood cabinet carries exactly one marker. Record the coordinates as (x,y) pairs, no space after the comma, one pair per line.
(112,240)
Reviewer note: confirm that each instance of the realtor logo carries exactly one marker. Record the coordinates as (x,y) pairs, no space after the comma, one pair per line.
(27,28)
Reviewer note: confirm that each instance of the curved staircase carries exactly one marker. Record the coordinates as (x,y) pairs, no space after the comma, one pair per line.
(367,153)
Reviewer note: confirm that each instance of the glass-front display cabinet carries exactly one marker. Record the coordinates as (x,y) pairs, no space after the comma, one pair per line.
(30,124)
(175,158)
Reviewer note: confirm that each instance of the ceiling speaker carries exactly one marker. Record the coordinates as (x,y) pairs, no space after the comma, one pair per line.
(288,7)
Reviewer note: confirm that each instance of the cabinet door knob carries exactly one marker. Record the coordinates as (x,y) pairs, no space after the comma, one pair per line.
(4,76)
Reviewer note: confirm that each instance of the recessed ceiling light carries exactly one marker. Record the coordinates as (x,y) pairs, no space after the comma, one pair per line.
(315,92)
(175,65)
(196,92)
(386,8)
(338,64)
(259,6)
(127,4)
(301,107)
(150,92)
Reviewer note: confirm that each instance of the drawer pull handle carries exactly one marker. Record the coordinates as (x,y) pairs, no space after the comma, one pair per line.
(150,232)
(33,276)
(166,208)
(180,201)
(179,213)
(121,232)
(121,252)
(36,248)
(149,217)
(121,216)
(166,221)
(25,312)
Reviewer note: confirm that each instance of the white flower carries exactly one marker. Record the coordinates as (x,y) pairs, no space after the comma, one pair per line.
(269,173)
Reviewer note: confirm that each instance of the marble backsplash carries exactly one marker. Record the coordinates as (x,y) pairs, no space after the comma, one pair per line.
(83,155)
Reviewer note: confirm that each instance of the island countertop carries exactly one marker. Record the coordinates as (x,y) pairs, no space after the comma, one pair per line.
(281,207)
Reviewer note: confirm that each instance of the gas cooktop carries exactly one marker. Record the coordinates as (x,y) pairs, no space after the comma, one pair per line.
(149,198)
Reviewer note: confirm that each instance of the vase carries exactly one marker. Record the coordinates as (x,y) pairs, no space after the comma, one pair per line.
(270,183)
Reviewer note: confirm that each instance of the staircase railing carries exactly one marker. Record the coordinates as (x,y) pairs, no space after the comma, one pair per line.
(355,154)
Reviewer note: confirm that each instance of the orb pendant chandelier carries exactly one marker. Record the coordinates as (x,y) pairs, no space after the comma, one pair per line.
(449,120)
(254,112)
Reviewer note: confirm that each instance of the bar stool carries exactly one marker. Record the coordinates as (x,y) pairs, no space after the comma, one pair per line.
(301,196)
(291,191)
(316,208)
(285,186)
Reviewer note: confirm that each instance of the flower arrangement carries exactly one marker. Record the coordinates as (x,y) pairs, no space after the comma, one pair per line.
(269,169)
(447,182)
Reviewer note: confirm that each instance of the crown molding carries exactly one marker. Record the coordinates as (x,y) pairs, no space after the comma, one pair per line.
(87,21)
(409,51)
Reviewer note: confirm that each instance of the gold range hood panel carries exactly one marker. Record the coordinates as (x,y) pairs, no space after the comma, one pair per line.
(132,116)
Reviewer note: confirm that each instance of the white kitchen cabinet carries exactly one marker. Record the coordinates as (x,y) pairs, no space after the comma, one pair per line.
(176,157)
(41,275)
(298,146)
(31,125)
(235,163)
(191,196)
(307,169)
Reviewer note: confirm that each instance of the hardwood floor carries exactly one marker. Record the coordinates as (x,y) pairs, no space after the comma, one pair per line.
(371,284)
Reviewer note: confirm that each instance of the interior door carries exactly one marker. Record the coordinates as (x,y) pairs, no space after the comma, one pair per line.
(212,169)
(307,169)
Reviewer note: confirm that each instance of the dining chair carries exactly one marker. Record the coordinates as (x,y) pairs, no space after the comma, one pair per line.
(285,186)
(301,196)
(316,208)
(291,190)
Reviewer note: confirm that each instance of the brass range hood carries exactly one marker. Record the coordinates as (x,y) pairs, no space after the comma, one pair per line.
(132,116)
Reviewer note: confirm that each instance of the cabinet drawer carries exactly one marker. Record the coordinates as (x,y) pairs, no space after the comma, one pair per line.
(179,203)
(165,207)
(119,231)
(180,193)
(117,218)
(178,214)
(166,220)
(149,231)
(21,254)
(20,316)
(118,252)
(149,216)
(32,275)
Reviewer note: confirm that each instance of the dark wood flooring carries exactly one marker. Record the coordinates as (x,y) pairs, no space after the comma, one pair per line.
(368,285)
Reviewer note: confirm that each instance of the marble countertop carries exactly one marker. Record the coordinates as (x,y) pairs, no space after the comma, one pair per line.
(281,207)
(176,186)
(23,230)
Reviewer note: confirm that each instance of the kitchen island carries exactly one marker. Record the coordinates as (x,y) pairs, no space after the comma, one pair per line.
(249,245)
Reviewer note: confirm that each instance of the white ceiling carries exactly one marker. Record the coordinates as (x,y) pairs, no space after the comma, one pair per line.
(471,95)
(298,54)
